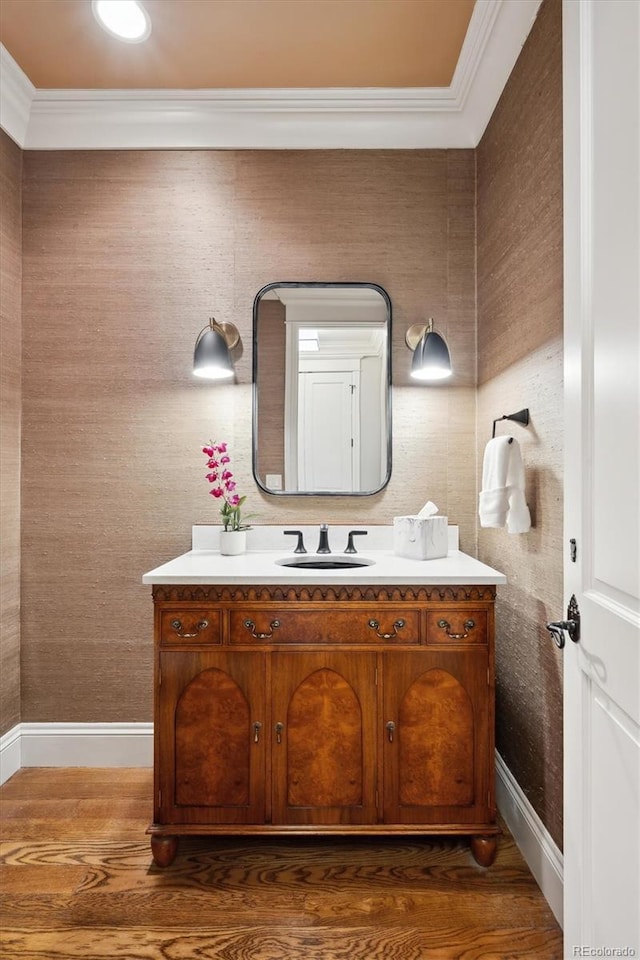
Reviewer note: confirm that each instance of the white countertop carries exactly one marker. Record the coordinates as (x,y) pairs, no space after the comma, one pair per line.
(259,566)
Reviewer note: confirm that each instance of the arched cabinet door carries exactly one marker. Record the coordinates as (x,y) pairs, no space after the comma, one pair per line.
(212,737)
(436,737)
(323,738)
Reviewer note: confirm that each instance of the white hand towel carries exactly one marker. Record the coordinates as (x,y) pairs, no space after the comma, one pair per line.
(502,498)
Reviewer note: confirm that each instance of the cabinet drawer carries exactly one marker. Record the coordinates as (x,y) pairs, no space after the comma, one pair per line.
(190,626)
(330,626)
(457,626)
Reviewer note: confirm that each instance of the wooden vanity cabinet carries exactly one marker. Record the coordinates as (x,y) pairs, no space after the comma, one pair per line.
(324,710)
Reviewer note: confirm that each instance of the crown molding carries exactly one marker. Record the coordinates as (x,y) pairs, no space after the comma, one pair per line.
(278,119)
(483,18)
(502,37)
(16,96)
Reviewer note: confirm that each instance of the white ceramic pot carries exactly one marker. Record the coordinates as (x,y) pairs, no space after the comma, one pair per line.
(233,542)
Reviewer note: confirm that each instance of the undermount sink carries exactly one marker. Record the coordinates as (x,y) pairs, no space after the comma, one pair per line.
(324,562)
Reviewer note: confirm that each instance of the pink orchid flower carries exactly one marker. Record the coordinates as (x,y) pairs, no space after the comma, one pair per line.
(224,485)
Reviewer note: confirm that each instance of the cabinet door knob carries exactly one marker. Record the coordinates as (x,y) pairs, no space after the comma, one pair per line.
(251,627)
(446,626)
(257,727)
(397,625)
(279,728)
(390,727)
(177,626)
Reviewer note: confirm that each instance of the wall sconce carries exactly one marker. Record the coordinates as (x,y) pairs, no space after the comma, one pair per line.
(212,353)
(431,358)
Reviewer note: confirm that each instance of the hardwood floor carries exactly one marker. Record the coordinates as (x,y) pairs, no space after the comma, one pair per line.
(77,881)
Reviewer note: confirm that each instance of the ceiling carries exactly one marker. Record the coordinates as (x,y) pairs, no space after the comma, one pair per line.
(259,74)
(223,44)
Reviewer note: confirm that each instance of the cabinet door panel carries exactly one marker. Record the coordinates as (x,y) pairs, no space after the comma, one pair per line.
(327,770)
(435,755)
(212,748)
(435,724)
(213,753)
(324,751)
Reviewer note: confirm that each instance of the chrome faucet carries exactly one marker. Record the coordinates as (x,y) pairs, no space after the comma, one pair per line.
(323,546)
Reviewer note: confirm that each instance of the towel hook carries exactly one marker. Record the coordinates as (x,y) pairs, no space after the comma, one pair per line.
(522,416)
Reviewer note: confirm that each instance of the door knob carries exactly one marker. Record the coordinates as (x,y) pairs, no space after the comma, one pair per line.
(558,628)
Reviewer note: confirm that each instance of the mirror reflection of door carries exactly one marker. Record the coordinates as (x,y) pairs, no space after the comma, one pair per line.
(325,428)
(328,440)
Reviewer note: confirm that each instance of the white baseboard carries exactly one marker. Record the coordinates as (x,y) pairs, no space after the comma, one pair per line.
(76,745)
(536,845)
(131,745)
(10,754)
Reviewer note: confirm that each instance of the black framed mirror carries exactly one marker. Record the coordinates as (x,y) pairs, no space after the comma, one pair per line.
(322,389)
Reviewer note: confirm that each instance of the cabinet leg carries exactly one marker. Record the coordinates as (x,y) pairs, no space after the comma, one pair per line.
(484,850)
(164,850)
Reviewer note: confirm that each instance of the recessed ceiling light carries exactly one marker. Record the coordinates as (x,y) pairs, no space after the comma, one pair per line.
(125,19)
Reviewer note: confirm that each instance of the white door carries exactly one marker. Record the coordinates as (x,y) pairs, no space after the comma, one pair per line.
(602,479)
(328,432)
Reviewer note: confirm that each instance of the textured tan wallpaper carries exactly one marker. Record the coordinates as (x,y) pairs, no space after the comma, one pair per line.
(10,404)
(520,364)
(126,255)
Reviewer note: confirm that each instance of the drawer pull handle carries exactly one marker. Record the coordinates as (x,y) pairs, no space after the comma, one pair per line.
(446,626)
(177,626)
(390,727)
(397,625)
(279,729)
(257,727)
(251,627)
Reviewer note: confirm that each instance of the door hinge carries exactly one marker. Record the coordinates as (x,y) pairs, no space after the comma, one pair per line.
(573,549)
(488,677)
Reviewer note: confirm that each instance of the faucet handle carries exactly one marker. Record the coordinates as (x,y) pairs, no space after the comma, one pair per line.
(296,533)
(353,533)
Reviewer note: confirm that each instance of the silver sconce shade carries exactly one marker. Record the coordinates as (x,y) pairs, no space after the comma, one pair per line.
(211,356)
(431,358)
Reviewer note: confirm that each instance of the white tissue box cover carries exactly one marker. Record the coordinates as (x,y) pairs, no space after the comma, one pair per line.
(420,538)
